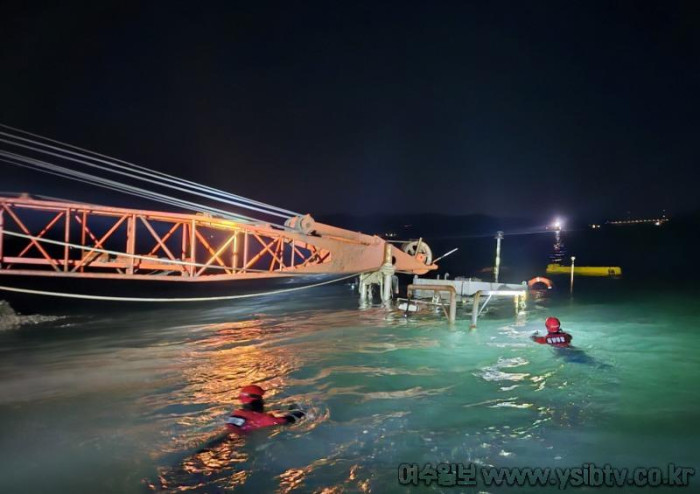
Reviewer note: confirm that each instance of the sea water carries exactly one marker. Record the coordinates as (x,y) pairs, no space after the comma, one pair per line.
(122,402)
(133,400)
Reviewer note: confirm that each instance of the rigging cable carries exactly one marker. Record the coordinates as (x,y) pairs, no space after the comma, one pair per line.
(136,168)
(122,187)
(144,179)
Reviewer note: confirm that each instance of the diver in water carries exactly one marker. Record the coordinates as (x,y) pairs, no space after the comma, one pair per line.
(249,417)
(252,415)
(555,336)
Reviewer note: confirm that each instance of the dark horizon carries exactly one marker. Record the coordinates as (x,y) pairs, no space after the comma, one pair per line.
(581,110)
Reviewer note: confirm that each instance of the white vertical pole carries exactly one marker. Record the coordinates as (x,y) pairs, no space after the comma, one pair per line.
(388,272)
(496,268)
(571,285)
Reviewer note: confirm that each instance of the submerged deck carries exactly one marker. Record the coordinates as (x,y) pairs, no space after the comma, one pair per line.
(469,287)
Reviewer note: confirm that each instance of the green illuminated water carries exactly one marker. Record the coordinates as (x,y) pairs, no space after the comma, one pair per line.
(121,402)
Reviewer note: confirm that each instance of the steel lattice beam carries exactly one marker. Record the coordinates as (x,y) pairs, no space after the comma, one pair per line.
(107,242)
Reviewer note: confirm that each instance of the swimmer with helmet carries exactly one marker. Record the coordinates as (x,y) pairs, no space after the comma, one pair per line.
(251,415)
(555,336)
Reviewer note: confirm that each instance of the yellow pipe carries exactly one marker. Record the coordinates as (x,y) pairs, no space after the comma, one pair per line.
(585,270)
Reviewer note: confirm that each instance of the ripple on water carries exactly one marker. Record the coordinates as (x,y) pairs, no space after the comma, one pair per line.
(377,393)
(494,372)
(510,404)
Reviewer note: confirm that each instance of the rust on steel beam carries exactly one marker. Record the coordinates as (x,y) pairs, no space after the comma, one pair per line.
(118,243)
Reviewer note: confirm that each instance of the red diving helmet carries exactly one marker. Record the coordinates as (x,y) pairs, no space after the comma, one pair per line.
(552,324)
(251,393)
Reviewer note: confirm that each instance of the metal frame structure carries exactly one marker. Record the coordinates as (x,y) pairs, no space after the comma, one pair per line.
(64,239)
(437,289)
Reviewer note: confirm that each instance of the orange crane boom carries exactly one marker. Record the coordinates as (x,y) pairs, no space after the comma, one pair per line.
(65,239)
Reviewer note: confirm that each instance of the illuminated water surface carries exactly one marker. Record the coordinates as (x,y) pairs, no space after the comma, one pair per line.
(122,402)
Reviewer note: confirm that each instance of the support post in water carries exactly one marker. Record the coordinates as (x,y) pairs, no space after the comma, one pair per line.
(388,273)
(571,284)
(475,309)
(496,267)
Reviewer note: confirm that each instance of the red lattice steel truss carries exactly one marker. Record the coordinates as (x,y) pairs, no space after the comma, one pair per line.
(107,242)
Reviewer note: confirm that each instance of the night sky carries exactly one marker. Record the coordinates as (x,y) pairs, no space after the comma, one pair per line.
(505,108)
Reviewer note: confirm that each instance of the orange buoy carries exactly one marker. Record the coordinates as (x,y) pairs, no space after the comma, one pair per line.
(540,280)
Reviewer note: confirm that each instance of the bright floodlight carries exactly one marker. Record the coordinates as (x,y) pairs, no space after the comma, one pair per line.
(558,224)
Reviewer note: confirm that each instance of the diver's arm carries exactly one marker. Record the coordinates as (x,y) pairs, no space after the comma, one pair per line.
(291,416)
(542,340)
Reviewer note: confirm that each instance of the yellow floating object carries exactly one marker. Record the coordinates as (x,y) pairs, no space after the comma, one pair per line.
(611,271)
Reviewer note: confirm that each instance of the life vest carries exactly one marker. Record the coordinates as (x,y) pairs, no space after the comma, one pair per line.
(560,339)
(247,420)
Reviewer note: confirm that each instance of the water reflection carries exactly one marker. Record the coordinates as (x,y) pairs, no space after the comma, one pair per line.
(377,390)
(223,357)
(305,359)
